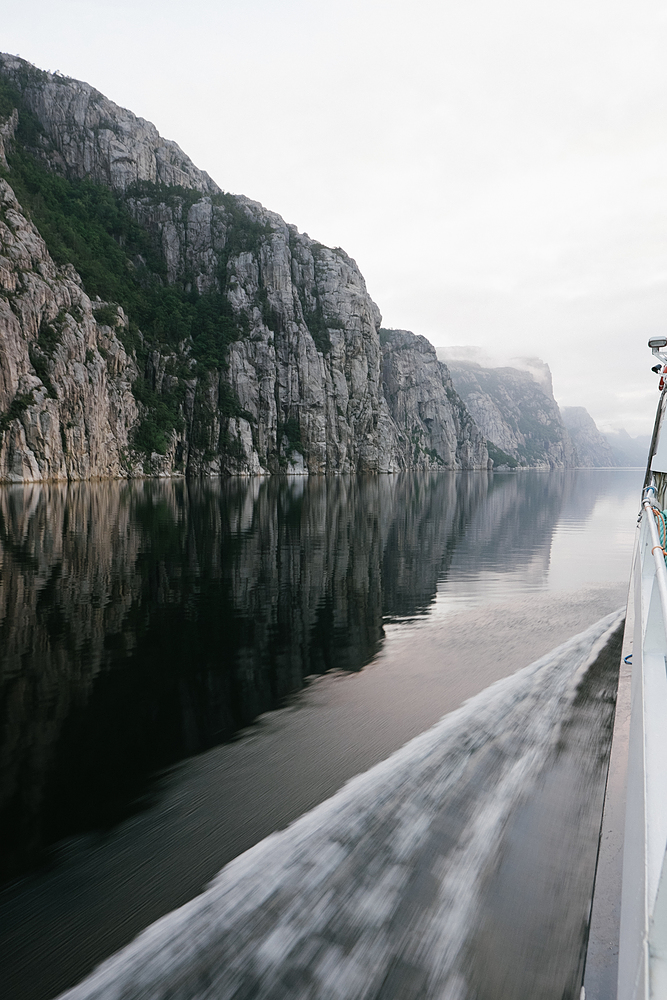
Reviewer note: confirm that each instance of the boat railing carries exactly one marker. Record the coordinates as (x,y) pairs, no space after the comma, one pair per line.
(657,526)
(642,964)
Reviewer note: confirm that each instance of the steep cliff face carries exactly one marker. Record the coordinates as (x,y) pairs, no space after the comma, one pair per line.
(50,337)
(517,413)
(592,449)
(239,345)
(431,418)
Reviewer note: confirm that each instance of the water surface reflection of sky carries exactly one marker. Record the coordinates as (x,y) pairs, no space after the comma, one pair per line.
(597,548)
(586,540)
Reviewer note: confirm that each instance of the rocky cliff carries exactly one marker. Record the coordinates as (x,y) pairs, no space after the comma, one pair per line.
(66,402)
(516,411)
(433,422)
(153,324)
(592,448)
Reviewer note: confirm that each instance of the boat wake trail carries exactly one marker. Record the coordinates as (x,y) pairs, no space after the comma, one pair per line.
(374,893)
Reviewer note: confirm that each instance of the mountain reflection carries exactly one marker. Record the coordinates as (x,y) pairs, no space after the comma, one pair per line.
(143,622)
(513,529)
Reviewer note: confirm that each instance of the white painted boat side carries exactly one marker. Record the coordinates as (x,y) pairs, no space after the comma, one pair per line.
(642,963)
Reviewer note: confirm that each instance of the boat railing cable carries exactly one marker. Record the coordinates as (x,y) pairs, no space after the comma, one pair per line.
(657,526)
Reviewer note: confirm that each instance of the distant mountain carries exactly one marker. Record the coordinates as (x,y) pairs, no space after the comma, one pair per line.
(629,452)
(593,450)
(516,411)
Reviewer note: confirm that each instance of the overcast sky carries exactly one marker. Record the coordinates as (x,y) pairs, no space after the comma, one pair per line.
(497,168)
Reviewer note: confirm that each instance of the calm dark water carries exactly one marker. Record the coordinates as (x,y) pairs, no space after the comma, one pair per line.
(148,626)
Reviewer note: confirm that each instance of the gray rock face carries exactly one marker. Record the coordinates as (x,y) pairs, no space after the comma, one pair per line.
(66,405)
(432,420)
(517,414)
(592,449)
(300,389)
(7,133)
(93,137)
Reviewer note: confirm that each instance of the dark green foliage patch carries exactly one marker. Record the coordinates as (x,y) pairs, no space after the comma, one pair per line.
(40,362)
(162,415)
(500,457)
(41,353)
(50,333)
(18,405)
(291,429)
(107,315)
(434,456)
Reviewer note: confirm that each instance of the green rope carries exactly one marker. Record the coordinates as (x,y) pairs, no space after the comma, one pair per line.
(662,526)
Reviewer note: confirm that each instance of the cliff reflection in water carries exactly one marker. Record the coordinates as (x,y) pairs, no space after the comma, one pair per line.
(143,622)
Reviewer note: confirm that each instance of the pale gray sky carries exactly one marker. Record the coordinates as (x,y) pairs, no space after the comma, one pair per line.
(498,168)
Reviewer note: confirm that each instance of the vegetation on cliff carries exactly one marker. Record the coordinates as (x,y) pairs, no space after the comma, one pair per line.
(90,226)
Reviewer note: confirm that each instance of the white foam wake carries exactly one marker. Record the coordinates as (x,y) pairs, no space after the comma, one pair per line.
(378,881)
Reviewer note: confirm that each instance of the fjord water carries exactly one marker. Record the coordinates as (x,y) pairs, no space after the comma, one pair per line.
(188,667)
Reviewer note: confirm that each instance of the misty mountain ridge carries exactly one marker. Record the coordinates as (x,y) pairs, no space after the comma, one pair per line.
(629,452)
(497,403)
(470,354)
